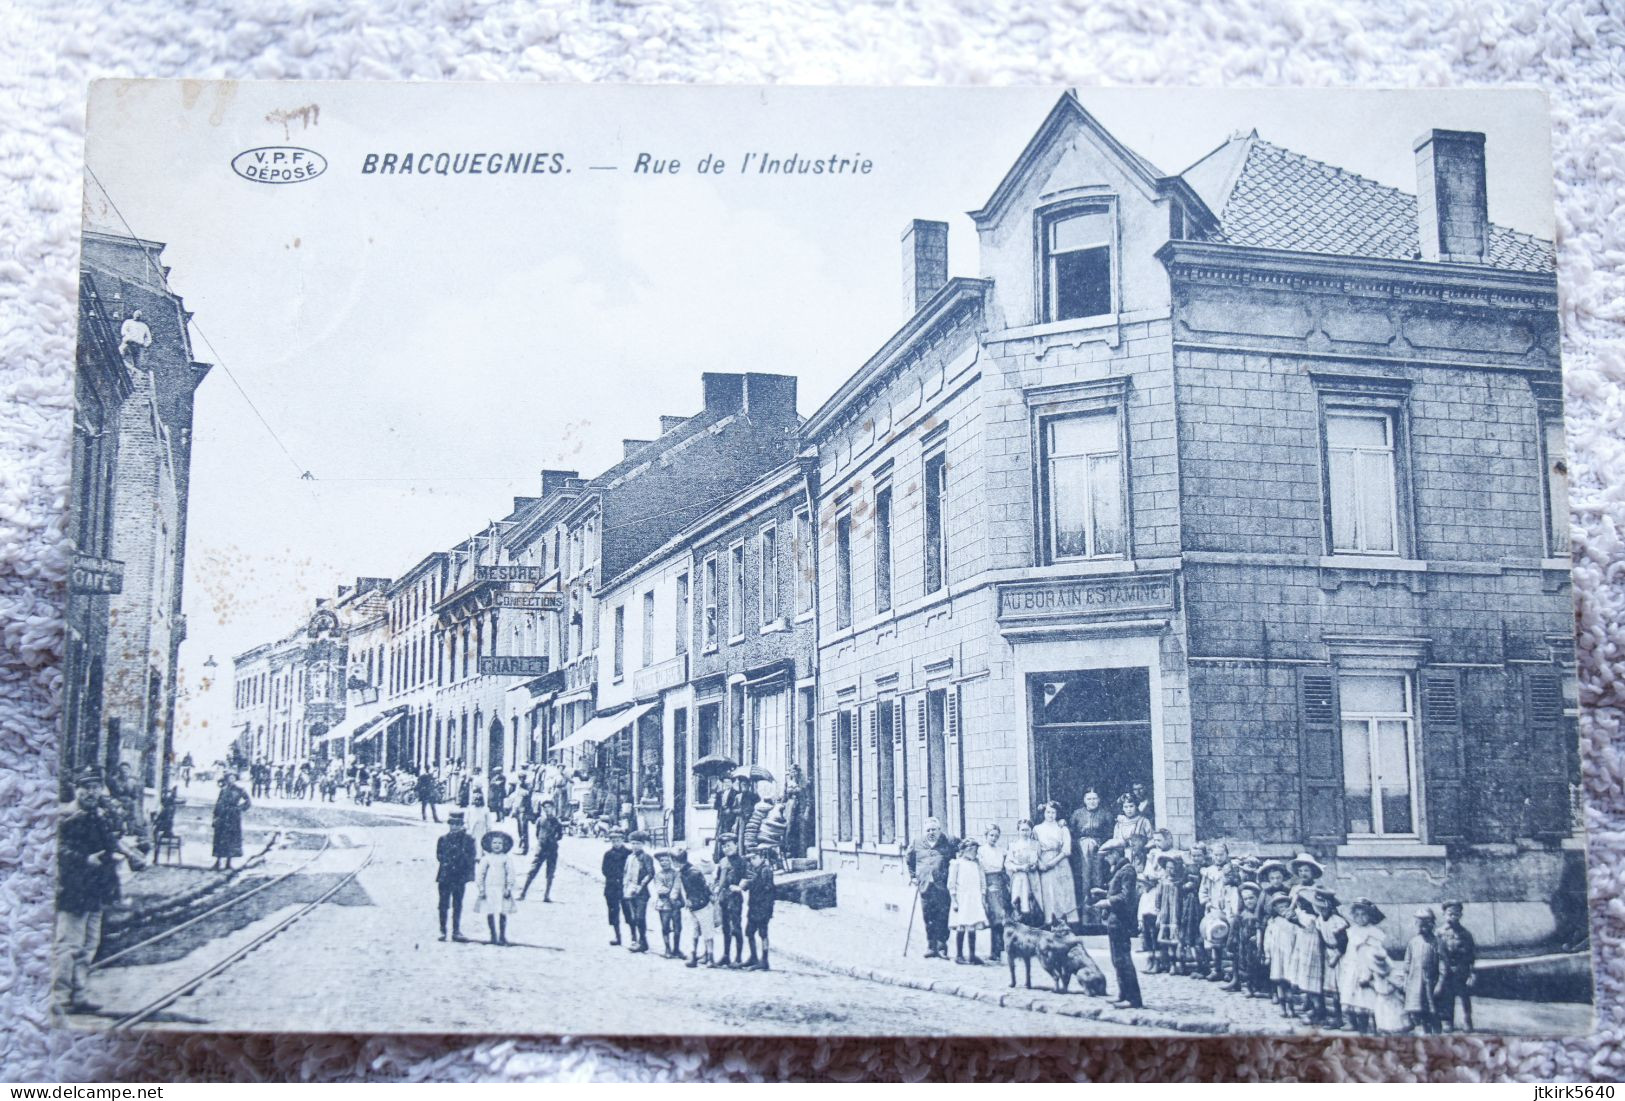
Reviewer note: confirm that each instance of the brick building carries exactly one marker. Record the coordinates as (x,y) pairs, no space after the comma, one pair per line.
(144,533)
(1244,485)
(101,385)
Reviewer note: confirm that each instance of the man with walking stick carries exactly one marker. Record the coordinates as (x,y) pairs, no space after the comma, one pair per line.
(928,859)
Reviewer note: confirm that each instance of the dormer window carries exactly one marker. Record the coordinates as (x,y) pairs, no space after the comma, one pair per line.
(1077,263)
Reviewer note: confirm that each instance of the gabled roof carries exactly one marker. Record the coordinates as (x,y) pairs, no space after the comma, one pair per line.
(1266,196)
(1068,111)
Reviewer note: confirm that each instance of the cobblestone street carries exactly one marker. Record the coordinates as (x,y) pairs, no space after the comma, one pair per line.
(370,959)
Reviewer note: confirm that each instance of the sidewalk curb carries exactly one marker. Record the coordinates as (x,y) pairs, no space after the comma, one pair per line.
(1202,1026)
(1205,1026)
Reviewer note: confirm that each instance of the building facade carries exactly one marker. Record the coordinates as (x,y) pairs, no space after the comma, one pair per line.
(141,537)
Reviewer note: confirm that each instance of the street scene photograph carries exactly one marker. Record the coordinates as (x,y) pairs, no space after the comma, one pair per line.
(648,561)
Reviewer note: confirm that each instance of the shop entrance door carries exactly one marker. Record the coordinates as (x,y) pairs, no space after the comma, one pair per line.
(1091,729)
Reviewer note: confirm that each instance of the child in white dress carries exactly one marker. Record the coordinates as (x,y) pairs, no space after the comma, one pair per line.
(968,910)
(495,884)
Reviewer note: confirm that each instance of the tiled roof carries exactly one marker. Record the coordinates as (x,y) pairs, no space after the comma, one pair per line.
(1285,200)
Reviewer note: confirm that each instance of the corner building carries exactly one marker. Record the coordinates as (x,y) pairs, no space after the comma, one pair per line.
(1244,485)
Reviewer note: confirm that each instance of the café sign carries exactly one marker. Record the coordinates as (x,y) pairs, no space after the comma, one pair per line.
(1078,597)
(529,602)
(510,665)
(95,576)
(509,573)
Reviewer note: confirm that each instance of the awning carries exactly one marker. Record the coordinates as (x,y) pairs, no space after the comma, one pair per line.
(605,726)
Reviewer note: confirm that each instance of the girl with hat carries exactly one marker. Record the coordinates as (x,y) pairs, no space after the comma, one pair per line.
(1280,936)
(1365,982)
(1301,960)
(494,884)
(1331,930)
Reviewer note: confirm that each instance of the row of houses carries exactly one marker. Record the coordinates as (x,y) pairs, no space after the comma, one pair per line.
(131,476)
(1245,485)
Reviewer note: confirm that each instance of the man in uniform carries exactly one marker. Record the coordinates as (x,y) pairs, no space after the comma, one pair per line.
(425,790)
(87,883)
(928,859)
(455,853)
(1120,906)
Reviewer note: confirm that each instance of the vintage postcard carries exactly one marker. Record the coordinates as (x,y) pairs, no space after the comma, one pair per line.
(819,562)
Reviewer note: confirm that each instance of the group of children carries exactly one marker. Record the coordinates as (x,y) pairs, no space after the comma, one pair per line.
(1272,928)
(735,896)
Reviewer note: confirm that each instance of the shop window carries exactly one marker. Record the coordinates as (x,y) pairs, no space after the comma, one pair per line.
(1361,477)
(1077,270)
(1083,485)
(1554,451)
(883,550)
(936,754)
(936,548)
(707,740)
(843,572)
(1379,754)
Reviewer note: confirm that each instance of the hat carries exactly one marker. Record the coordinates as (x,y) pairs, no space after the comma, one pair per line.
(455,818)
(1425,914)
(490,840)
(769,850)
(1269,866)
(1250,863)
(88,775)
(1453,904)
(1249,886)
(617,835)
(1370,909)
(664,854)
(1323,897)
(1305,858)
(1278,898)
(637,835)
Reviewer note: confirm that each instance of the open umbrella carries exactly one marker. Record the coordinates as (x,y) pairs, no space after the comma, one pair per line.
(752,772)
(717,763)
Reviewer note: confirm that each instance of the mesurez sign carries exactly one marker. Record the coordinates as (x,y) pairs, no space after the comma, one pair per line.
(509,573)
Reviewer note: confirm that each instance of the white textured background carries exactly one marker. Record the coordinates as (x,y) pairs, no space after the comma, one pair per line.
(1573,49)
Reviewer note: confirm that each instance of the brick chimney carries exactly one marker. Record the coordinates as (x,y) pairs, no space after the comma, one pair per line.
(668,423)
(724,393)
(631,447)
(770,395)
(1452,204)
(925,263)
(555,480)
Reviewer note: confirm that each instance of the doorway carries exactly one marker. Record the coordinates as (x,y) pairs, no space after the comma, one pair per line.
(1091,730)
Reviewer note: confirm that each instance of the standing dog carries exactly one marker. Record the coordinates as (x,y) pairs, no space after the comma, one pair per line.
(1063,956)
(1022,942)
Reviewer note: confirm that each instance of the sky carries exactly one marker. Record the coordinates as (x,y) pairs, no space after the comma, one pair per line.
(425,345)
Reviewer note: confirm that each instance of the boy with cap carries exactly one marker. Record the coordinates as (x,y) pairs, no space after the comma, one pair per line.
(87,884)
(667,888)
(614,869)
(1458,952)
(759,904)
(697,897)
(730,895)
(455,854)
(639,872)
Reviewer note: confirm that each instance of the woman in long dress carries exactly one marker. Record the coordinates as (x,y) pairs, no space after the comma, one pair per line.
(1021,862)
(996,889)
(228,821)
(1057,890)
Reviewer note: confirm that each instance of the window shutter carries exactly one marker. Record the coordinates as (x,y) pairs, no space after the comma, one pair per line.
(832,790)
(900,769)
(857,794)
(956,804)
(1442,751)
(1548,787)
(922,762)
(1320,757)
